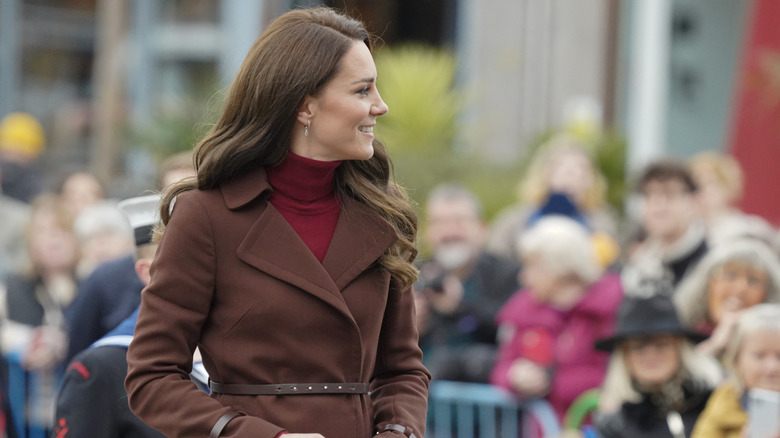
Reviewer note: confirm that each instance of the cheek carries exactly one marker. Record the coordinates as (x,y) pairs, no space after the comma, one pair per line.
(715,294)
(755,296)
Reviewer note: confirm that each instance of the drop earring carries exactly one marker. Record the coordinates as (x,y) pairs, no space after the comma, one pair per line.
(306,129)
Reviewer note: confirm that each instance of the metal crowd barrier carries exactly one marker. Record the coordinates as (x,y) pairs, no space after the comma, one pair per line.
(474,410)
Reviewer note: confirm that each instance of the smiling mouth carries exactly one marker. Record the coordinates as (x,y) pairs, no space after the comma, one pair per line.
(366,129)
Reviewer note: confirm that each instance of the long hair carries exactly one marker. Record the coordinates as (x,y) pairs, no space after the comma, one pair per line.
(757,318)
(295,57)
(691,295)
(618,386)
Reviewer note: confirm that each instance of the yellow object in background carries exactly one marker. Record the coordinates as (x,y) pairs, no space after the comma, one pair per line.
(23,134)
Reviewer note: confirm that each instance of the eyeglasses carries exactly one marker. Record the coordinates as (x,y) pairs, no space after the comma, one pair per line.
(752,276)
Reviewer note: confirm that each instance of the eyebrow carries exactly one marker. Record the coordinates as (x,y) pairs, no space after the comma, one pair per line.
(366,80)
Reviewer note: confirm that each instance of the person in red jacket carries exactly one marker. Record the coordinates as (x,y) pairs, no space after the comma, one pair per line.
(548,328)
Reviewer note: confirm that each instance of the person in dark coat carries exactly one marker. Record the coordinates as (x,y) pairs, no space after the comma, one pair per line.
(288,262)
(107,296)
(461,289)
(657,384)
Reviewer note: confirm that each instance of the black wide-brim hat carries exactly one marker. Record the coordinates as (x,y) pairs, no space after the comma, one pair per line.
(647,316)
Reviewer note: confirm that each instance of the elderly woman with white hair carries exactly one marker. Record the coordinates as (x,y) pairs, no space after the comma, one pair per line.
(752,358)
(729,279)
(548,328)
(657,384)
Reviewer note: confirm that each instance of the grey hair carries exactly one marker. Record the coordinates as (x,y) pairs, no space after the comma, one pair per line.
(759,317)
(691,295)
(103,216)
(564,246)
(618,387)
(454,191)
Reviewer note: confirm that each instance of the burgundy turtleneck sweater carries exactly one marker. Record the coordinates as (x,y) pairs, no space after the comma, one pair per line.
(303,193)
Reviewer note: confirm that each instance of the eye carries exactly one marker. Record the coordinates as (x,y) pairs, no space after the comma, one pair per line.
(364,91)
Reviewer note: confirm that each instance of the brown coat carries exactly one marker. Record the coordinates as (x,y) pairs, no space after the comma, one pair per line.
(233,278)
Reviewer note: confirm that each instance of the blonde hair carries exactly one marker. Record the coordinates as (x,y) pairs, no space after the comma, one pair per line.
(725,168)
(618,387)
(691,295)
(759,317)
(564,246)
(533,189)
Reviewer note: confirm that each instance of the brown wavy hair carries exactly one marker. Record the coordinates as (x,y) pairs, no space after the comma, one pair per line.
(295,57)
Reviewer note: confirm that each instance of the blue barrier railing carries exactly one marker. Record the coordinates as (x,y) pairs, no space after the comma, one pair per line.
(20,397)
(474,410)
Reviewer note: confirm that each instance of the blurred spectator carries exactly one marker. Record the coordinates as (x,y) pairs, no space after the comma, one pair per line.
(753,360)
(33,333)
(22,140)
(657,384)
(730,279)
(104,234)
(719,178)
(13,217)
(460,289)
(562,165)
(547,329)
(176,168)
(113,290)
(92,401)
(79,190)
(675,237)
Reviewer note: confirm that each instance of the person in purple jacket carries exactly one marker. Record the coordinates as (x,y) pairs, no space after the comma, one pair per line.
(547,329)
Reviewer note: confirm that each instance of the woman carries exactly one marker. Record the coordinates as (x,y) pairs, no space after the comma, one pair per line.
(547,330)
(289,260)
(730,279)
(753,361)
(33,334)
(560,166)
(656,384)
(720,180)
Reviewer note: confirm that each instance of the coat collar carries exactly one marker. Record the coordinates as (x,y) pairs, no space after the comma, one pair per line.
(244,189)
(272,245)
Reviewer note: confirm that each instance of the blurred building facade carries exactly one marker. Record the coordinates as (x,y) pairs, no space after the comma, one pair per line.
(666,73)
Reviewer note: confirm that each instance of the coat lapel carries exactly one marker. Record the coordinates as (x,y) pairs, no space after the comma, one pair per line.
(272,245)
(360,238)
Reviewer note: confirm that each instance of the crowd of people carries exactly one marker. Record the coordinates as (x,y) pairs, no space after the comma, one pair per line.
(669,317)
(656,325)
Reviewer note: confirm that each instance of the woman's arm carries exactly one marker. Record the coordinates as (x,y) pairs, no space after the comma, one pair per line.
(399,387)
(174,308)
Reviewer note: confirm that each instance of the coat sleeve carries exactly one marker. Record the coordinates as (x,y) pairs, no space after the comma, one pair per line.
(399,386)
(173,310)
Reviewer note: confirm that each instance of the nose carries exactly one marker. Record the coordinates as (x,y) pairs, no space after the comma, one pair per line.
(379,107)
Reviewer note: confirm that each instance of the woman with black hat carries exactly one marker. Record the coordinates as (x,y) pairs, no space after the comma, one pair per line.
(656,384)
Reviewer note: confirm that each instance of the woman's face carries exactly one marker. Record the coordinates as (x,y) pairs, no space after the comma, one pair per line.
(344,113)
(537,276)
(652,360)
(735,286)
(712,193)
(758,362)
(571,173)
(52,248)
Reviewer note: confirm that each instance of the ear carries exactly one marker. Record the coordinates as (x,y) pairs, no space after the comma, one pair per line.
(305,111)
(142,266)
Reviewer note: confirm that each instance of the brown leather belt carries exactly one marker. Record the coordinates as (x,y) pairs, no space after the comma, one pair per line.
(288,388)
